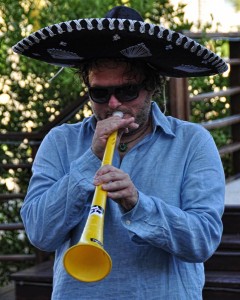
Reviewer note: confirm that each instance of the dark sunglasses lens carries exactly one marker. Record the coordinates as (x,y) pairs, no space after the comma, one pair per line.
(127,93)
(99,95)
(123,93)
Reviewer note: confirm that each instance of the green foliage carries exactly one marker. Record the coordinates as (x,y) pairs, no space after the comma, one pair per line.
(236,4)
(166,14)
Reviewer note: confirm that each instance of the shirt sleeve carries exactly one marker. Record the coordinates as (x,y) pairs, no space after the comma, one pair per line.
(56,198)
(193,231)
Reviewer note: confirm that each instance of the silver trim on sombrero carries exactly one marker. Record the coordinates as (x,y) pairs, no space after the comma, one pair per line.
(208,57)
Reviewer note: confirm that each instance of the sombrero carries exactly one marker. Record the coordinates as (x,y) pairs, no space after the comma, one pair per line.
(121,34)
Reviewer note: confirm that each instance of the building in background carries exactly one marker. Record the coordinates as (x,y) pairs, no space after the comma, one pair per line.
(220,13)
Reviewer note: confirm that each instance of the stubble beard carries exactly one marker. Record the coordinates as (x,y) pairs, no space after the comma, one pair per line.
(141,118)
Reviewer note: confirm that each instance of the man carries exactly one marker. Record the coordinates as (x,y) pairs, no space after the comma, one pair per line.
(166,183)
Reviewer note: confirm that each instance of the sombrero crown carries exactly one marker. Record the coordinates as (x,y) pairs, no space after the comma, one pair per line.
(121,34)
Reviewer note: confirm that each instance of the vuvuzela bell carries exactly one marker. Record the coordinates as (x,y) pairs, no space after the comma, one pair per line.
(87,261)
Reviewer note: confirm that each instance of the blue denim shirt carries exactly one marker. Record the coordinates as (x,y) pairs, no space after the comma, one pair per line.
(158,248)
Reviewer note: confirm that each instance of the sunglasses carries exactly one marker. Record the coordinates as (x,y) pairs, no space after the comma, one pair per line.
(123,93)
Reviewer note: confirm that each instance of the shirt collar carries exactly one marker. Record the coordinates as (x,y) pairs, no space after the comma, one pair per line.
(160,120)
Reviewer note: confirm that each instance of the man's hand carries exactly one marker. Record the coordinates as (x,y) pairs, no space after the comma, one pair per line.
(119,186)
(105,127)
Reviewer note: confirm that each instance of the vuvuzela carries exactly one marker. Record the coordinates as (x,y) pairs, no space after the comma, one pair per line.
(87,261)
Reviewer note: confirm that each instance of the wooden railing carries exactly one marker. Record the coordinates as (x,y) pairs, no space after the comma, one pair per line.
(180,100)
(34,140)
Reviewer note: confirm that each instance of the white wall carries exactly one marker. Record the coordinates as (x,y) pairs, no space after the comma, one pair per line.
(222,11)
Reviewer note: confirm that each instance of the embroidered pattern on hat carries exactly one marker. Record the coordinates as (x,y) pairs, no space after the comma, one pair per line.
(36,54)
(139,50)
(190,68)
(63,44)
(63,54)
(116,37)
(169,47)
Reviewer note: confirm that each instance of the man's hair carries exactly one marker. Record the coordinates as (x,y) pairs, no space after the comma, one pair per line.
(153,80)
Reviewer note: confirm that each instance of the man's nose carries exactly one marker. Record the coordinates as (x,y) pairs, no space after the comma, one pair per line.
(114,102)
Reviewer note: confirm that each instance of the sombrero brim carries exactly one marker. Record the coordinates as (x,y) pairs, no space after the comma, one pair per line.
(70,43)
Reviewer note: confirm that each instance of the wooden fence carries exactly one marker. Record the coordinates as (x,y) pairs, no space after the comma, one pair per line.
(180,100)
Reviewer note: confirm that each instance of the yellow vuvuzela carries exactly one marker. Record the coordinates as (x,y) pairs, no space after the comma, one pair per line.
(87,261)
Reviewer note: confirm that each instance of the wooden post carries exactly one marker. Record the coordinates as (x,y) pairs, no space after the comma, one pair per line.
(235,100)
(179,98)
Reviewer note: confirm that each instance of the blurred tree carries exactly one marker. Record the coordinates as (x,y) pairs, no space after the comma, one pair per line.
(236,4)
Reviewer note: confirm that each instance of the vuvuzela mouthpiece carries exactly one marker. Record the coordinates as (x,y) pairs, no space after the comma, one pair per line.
(118,113)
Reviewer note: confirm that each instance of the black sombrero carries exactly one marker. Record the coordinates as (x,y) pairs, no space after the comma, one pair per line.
(121,34)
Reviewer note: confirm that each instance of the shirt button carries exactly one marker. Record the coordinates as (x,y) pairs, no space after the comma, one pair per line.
(128,222)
